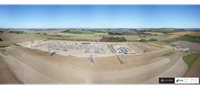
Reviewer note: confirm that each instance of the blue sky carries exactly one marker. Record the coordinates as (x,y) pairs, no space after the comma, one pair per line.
(99,16)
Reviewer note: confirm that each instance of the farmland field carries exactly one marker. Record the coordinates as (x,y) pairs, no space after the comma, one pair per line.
(178,34)
(46,31)
(165,35)
(84,32)
(184,38)
(171,40)
(194,34)
(87,32)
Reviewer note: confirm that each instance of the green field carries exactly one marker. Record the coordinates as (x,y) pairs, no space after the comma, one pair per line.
(88,32)
(168,54)
(170,40)
(18,32)
(190,59)
(97,31)
(184,38)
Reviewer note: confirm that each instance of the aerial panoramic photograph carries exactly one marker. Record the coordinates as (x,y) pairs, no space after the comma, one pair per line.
(100,44)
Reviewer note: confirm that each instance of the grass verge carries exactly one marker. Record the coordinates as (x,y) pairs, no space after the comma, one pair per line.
(15,44)
(1,57)
(168,54)
(190,59)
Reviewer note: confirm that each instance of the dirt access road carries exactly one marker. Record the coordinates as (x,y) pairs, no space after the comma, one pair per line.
(6,76)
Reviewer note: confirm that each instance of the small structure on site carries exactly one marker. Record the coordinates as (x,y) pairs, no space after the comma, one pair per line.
(178,48)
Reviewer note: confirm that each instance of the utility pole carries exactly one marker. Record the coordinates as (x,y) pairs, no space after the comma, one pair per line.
(31,45)
(76,47)
(49,54)
(98,47)
(181,43)
(122,60)
(91,60)
(131,38)
(125,33)
(98,40)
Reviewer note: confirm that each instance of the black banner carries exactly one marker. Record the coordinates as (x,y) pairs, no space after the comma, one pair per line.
(166,80)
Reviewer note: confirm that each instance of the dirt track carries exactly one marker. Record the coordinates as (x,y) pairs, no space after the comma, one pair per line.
(6,76)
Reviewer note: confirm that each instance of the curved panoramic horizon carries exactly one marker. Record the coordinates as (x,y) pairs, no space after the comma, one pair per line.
(99,16)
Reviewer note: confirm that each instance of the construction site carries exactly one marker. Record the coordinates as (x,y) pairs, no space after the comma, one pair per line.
(86,49)
(71,62)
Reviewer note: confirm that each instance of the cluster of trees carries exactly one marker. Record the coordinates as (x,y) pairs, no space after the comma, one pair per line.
(41,33)
(115,33)
(153,39)
(17,32)
(143,40)
(65,31)
(146,34)
(113,39)
(120,33)
(181,29)
(165,32)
